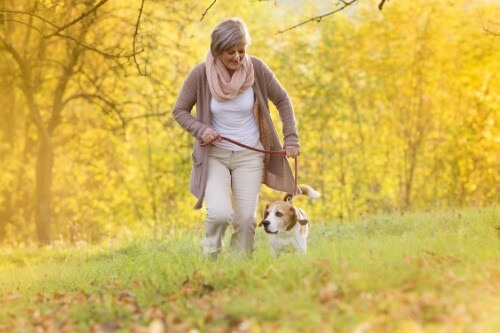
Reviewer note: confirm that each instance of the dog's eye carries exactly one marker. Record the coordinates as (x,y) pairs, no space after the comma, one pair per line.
(279,214)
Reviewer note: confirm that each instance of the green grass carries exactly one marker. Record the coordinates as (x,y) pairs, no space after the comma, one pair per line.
(433,272)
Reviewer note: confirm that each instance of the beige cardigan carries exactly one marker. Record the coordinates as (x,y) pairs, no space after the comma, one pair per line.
(277,172)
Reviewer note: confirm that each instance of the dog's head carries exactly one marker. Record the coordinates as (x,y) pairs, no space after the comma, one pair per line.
(281,216)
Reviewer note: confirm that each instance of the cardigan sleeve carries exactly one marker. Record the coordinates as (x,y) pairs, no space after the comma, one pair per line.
(278,95)
(185,102)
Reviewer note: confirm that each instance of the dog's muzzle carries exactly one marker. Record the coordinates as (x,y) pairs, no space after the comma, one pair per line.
(266,224)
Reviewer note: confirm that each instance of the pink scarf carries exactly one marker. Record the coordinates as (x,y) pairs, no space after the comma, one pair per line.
(223,86)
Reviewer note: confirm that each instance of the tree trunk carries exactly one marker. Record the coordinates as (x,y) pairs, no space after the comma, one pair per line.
(410,173)
(43,209)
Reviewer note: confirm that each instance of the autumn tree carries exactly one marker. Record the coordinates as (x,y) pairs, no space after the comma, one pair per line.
(397,109)
(46,49)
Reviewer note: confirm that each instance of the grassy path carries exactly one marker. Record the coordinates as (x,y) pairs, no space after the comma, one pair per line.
(426,272)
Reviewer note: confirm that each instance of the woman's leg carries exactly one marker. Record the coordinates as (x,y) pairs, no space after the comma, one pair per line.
(246,179)
(219,212)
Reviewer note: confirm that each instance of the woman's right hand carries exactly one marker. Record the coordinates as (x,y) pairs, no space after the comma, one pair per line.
(209,134)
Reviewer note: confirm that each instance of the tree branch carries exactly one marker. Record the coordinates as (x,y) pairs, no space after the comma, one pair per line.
(24,23)
(57,104)
(92,97)
(30,14)
(34,113)
(78,19)
(147,115)
(206,11)
(17,57)
(105,54)
(381,4)
(135,41)
(318,19)
(489,31)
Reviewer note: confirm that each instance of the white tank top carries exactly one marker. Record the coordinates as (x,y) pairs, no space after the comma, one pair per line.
(235,120)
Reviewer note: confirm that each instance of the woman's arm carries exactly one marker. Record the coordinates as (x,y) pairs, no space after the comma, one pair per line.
(185,102)
(278,95)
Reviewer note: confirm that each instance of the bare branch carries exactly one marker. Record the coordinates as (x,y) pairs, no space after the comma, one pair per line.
(318,19)
(30,14)
(135,40)
(92,99)
(126,121)
(17,57)
(105,54)
(206,11)
(34,114)
(381,4)
(24,23)
(147,115)
(78,19)
(489,31)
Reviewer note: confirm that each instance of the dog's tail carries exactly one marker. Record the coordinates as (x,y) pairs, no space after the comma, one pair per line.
(305,190)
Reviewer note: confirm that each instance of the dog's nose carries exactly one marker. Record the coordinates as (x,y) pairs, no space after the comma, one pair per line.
(266,223)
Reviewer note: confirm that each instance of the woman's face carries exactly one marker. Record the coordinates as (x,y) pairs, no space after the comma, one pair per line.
(233,57)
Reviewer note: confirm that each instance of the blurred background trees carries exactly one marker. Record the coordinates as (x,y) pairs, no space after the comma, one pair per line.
(397,109)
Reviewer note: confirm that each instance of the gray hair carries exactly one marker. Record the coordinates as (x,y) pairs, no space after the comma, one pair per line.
(228,34)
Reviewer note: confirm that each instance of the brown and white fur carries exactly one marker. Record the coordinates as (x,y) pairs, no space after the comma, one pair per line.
(287,225)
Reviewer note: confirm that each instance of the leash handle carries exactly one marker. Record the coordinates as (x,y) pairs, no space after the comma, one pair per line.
(270,152)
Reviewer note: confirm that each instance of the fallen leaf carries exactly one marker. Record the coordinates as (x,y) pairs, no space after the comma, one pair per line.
(9,298)
(328,293)
(157,326)
(108,327)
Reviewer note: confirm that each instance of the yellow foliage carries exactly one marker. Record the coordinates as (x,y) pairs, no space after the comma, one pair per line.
(396,110)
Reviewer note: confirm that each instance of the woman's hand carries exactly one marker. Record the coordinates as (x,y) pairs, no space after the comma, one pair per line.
(292,151)
(209,134)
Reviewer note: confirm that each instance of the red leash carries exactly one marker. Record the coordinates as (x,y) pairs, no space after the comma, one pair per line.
(270,152)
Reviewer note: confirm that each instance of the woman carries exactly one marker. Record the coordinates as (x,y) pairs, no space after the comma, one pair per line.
(231,91)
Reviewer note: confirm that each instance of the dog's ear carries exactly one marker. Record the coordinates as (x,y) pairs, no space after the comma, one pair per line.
(287,197)
(293,218)
(301,217)
(265,215)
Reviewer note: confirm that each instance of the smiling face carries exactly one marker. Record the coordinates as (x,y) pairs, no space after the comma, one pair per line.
(278,216)
(232,58)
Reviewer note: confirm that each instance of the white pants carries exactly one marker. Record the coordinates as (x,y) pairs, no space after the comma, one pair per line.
(239,172)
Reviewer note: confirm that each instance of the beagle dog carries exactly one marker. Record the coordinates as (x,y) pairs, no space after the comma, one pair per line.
(286,225)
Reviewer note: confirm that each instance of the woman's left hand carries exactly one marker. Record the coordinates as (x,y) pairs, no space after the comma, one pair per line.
(292,151)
